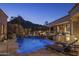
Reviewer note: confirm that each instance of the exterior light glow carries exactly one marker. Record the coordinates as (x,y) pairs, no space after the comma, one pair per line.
(67,38)
(75,38)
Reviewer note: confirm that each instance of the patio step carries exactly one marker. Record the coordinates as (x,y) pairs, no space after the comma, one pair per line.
(4,54)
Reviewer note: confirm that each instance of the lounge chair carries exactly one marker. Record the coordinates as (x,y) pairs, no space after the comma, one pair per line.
(64,48)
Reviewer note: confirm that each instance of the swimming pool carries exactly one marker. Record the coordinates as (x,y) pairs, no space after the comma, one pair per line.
(31,44)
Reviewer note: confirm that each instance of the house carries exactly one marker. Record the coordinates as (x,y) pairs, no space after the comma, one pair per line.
(60,29)
(74,16)
(66,29)
(3,25)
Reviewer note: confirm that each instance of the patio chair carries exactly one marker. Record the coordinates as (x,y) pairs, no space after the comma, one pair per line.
(64,48)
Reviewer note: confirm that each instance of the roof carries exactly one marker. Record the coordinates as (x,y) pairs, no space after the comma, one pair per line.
(64,19)
(77,4)
(1,11)
(59,21)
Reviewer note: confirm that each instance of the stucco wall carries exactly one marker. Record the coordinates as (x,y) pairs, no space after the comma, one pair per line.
(3,26)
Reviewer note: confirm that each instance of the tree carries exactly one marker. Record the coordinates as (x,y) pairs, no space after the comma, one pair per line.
(46,22)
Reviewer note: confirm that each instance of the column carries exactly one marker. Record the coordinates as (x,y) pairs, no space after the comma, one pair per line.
(49,29)
(57,28)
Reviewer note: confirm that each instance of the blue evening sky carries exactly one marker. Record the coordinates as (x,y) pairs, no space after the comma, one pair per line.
(37,13)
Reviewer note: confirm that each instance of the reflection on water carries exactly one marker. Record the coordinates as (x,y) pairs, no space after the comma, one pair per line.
(31,44)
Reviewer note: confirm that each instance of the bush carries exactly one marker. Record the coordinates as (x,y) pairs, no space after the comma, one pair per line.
(50,37)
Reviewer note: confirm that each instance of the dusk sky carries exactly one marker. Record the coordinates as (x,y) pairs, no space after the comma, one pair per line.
(37,13)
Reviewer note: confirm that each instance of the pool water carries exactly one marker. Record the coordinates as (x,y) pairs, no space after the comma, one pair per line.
(31,44)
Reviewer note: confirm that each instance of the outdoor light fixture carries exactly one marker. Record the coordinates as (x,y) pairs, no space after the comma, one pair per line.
(67,38)
(75,38)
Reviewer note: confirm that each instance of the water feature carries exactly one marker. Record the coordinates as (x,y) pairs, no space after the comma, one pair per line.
(31,44)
